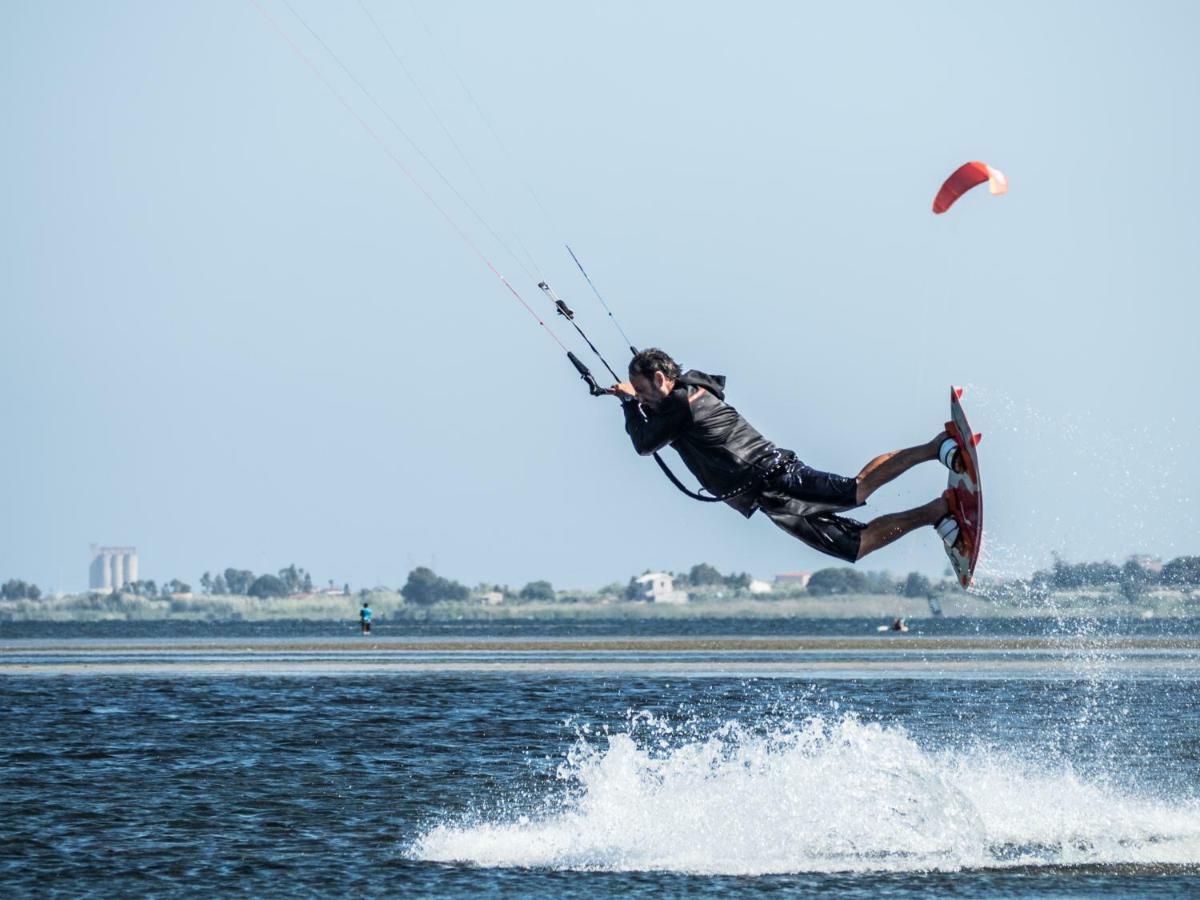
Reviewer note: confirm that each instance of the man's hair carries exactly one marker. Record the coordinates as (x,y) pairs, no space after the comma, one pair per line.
(654,360)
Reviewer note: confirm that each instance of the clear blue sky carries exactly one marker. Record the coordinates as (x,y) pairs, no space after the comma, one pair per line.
(234,333)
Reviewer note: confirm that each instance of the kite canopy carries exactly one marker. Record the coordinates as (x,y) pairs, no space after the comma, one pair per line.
(964,178)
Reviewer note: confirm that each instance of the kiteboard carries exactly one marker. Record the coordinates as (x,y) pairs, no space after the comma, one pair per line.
(965,493)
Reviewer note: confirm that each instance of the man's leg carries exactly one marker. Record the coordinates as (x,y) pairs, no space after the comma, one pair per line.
(890,466)
(882,531)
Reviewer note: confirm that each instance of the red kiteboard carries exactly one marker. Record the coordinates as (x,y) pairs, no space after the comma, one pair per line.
(965,493)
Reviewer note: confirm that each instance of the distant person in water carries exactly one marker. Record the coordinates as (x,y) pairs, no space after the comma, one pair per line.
(364,616)
(665,406)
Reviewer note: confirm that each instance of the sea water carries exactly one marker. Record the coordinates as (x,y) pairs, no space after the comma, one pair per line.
(1083,780)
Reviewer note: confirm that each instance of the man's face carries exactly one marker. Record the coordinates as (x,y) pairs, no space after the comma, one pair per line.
(651,391)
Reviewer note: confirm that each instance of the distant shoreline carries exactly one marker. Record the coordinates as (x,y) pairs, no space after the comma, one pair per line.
(876,656)
(390,606)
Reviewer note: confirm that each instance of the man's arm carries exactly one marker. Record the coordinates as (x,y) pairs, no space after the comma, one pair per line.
(651,433)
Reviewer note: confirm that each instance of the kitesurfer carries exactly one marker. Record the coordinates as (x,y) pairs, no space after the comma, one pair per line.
(687,410)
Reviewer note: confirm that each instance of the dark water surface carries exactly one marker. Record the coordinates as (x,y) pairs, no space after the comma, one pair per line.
(544,784)
(582,628)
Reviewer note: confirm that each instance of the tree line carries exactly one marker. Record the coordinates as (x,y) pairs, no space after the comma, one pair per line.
(425,587)
(150,588)
(844,580)
(14,589)
(704,575)
(242,582)
(1132,579)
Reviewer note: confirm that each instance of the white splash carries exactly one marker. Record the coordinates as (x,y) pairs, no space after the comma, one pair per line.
(818,796)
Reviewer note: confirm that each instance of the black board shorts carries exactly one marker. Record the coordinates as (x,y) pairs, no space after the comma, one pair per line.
(804,502)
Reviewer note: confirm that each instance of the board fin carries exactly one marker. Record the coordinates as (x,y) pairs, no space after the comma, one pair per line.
(976,438)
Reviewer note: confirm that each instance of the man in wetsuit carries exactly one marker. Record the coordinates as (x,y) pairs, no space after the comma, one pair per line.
(687,410)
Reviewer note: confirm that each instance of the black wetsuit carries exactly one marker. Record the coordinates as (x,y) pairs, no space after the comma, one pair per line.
(731,459)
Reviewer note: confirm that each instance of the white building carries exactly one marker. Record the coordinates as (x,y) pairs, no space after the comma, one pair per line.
(658,587)
(112,568)
(793,579)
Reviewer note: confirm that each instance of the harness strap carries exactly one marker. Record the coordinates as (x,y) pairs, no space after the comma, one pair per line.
(662,464)
(753,483)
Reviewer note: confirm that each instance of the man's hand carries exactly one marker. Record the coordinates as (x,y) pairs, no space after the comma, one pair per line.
(624,390)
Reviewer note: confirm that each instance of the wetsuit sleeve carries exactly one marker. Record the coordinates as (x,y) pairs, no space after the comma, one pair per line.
(653,432)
